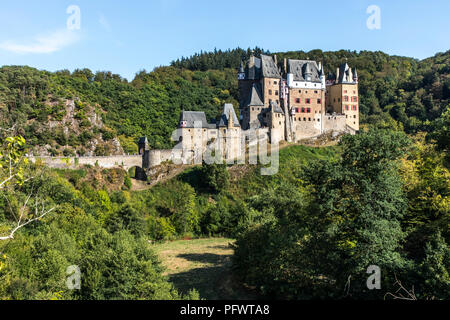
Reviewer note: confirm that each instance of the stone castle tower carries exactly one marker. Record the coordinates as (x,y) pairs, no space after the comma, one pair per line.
(297,102)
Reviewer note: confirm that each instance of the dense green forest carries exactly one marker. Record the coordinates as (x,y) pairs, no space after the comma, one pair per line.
(381,197)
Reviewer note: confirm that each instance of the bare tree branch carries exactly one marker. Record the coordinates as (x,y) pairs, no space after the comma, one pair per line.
(402,293)
(22,224)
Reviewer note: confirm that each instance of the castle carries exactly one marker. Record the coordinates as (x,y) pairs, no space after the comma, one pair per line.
(291,103)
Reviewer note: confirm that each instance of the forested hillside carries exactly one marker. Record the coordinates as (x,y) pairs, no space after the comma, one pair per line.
(381,197)
(100,113)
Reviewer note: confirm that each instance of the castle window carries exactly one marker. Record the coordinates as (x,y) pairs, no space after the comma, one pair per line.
(308,110)
(345,91)
(308,101)
(346,107)
(355,99)
(274,82)
(296,110)
(318,119)
(303,110)
(276,92)
(280,123)
(270,91)
(315,91)
(346,98)
(354,116)
(299,91)
(297,100)
(319,101)
(339,99)
(304,119)
(309,119)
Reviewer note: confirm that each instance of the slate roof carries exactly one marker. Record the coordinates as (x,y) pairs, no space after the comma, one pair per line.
(226,114)
(253,72)
(269,68)
(275,107)
(255,96)
(344,73)
(299,68)
(192,116)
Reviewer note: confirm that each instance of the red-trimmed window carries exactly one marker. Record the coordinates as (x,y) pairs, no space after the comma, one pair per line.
(346,107)
(296,110)
(303,110)
(308,101)
(308,110)
(297,100)
(345,98)
(355,99)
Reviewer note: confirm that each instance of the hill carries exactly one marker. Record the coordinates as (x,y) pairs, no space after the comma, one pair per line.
(63,113)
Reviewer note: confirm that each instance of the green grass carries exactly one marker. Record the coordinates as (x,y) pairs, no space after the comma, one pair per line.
(204,265)
(291,158)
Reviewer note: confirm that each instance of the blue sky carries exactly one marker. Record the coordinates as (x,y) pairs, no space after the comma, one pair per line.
(127,36)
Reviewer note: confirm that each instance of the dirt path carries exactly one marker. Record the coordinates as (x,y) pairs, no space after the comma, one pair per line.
(203,264)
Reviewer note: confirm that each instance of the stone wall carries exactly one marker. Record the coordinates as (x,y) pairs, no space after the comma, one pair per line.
(126,162)
(334,123)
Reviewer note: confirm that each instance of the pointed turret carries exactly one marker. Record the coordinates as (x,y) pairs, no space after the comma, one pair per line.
(355,75)
(241,73)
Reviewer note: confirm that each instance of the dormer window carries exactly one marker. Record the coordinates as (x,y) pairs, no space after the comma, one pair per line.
(183,124)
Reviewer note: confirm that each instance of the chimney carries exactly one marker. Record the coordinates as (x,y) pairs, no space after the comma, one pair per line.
(285,65)
(337,75)
(275,59)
